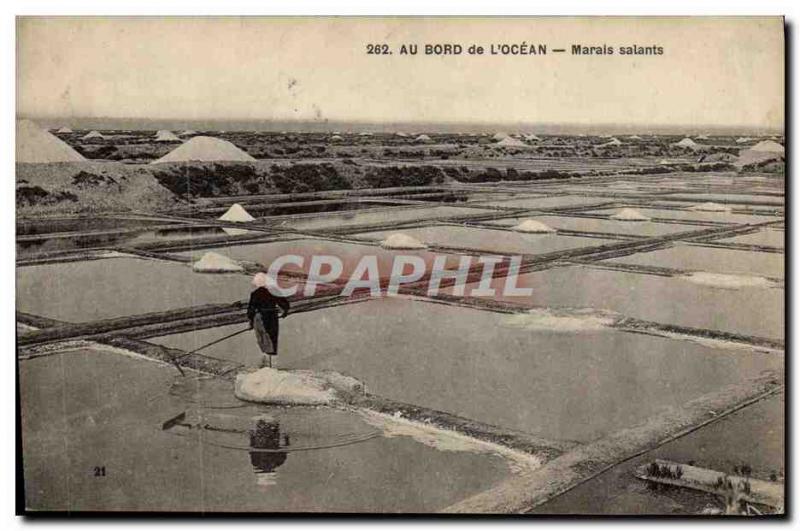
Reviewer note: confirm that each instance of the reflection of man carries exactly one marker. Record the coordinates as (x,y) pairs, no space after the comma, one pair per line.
(266,435)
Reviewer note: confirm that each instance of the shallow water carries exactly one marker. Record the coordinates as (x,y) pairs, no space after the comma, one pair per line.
(753,436)
(489,240)
(769,237)
(384,216)
(611,226)
(89,409)
(668,300)
(349,253)
(710,259)
(468,362)
(694,215)
(117,287)
(178,234)
(80,224)
(548,202)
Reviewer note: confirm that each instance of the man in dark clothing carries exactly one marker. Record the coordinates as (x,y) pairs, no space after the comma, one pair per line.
(262,312)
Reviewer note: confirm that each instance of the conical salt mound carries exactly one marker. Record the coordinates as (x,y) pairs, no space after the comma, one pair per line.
(93,134)
(34,144)
(612,142)
(205,149)
(511,142)
(499,136)
(216,263)
(686,143)
(711,207)
(422,138)
(236,213)
(630,214)
(768,146)
(531,225)
(399,240)
(743,140)
(64,130)
(166,136)
(188,132)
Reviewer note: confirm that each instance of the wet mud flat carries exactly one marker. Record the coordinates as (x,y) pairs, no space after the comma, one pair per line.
(752,436)
(446,357)
(94,441)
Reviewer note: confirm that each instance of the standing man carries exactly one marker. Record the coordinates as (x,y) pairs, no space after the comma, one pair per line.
(262,311)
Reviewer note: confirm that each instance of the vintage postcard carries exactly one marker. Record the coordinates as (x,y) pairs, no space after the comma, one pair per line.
(401,265)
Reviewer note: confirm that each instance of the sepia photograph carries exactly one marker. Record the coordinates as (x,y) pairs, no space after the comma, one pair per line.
(401,265)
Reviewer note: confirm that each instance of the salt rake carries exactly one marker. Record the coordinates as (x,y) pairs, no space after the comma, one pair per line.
(176,359)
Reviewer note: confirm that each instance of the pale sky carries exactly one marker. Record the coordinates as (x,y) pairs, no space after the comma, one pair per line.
(717,72)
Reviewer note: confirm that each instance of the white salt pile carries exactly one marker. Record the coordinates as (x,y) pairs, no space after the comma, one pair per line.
(399,240)
(35,145)
(401,134)
(612,142)
(93,134)
(336,138)
(723,281)
(743,140)
(531,138)
(188,132)
(710,207)
(216,263)
(769,146)
(64,130)
(581,320)
(499,136)
(206,149)
(686,143)
(297,387)
(629,214)
(511,142)
(531,225)
(422,138)
(236,213)
(166,136)
(235,232)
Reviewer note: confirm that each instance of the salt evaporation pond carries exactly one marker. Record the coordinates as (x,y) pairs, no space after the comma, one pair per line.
(265,210)
(710,259)
(115,287)
(45,226)
(348,253)
(752,436)
(694,215)
(768,237)
(667,300)
(773,200)
(575,386)
(375,217)
(548,202)
(489,240)
(177,234)
(610,226)
(88,408)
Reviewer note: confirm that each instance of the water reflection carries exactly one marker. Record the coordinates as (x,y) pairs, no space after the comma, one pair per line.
(265,441)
